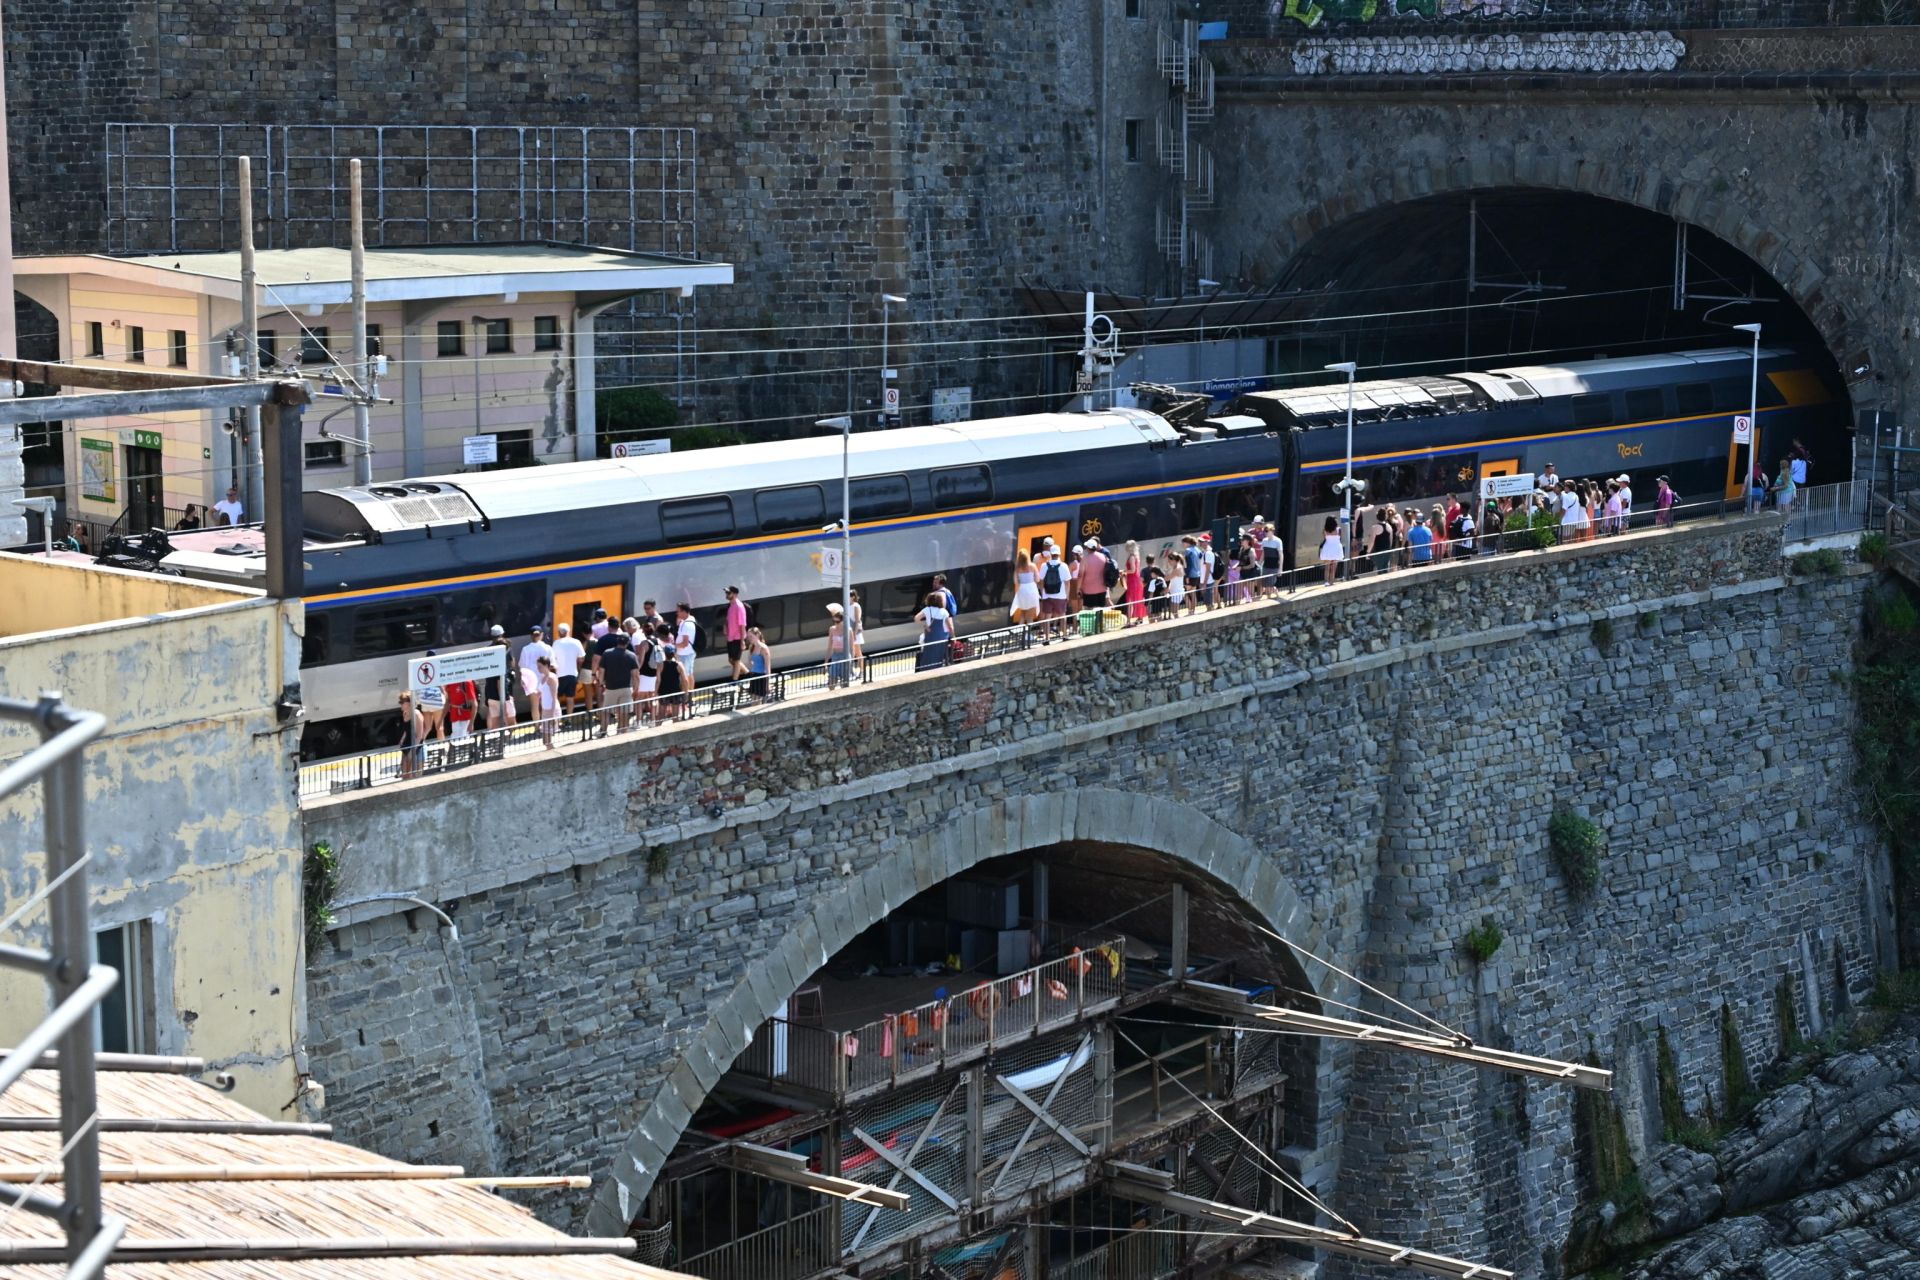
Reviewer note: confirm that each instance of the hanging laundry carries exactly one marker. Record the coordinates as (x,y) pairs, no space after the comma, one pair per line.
(1023,986)
(850,1046)
(1056,988)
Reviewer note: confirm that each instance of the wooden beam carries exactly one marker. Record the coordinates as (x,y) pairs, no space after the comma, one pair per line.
(1234,1003)
(791,1168)
(101,404)
(108,378)
(1139,1184)
(905,1167)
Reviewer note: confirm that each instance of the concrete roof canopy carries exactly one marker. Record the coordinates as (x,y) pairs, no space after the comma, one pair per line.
(322,276)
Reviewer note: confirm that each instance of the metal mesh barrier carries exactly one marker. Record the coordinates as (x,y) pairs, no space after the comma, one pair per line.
(1032,1098)
(918,1127)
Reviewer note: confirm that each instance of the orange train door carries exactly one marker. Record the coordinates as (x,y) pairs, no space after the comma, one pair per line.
(1031,536)
(1740,463)
(575,608)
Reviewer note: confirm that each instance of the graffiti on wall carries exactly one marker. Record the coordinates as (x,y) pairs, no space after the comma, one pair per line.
(1312,13)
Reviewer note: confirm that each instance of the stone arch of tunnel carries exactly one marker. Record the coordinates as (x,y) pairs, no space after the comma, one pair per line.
(1605,244)
(1176,835)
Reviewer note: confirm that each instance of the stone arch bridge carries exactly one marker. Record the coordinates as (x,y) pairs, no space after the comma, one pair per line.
(1366,771)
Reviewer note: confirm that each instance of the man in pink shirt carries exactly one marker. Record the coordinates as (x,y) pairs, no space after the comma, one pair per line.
(736,633)
(1093,577)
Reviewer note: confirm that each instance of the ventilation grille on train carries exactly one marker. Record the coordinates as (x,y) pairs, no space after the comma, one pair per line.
(439,508)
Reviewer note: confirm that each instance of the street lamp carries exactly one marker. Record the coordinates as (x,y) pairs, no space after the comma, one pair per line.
(1753,409)
(1349,368)
(886,374)
(844,423)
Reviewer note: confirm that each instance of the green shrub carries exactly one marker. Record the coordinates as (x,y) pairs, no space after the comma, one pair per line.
(1786,1016)
(1482,941)
(1824,563)
(1735,1084)
(1893,613)
(1673,1107)
(656,861)
(1602,633)
(1873,548)
(1649,622)
(626,411)
(1576,843)
(319,885)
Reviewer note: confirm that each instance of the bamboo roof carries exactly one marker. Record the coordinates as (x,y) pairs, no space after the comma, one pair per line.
(209,1190)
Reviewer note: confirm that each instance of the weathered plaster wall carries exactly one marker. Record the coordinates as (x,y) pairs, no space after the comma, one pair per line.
(1370,770)
(38,594)
(190,820)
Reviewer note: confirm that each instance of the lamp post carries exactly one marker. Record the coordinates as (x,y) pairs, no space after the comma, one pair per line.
(1349,368)
(886,374)
(845,424)
(1753,410)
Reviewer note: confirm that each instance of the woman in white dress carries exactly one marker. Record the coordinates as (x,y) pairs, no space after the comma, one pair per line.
(1332,551)
(548,696)
(1026,589)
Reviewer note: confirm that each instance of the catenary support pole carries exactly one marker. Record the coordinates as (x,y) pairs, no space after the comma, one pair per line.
(362,414)
(253,467)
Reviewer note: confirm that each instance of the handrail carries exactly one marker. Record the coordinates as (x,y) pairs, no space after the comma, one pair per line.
(77,985)
(384,765)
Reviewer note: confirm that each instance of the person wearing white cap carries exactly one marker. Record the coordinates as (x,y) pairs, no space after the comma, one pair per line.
(1626,502)
(1051,575)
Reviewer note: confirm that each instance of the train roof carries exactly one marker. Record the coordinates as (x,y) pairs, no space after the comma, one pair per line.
(1326,403)
(615,482)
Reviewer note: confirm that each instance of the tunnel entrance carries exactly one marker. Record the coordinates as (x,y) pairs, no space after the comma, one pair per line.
(1475,279)
(988,1050)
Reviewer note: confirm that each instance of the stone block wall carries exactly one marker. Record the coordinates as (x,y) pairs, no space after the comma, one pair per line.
(1386,757)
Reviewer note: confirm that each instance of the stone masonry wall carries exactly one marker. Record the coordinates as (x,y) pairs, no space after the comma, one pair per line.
(842,152)
(1382,759)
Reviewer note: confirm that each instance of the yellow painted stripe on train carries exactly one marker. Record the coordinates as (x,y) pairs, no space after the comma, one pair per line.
(629,557)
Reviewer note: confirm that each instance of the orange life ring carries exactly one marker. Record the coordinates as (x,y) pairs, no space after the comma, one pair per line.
(983,999)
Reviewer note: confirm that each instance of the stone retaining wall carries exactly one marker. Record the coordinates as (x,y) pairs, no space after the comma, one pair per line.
(1369,771)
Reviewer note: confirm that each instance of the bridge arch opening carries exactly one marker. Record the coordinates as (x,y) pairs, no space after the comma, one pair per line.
(1515,274)
(971,1026)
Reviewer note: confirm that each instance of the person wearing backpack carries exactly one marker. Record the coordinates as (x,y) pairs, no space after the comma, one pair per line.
(651,656)
(1053,592)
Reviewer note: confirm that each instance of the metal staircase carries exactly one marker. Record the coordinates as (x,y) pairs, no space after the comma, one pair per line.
(1188,161)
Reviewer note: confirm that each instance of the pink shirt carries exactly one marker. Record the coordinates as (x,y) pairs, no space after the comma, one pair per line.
(736,620)
(1093,572)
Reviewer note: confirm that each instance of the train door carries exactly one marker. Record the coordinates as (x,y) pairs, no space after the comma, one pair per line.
(1033,535)
(576,607)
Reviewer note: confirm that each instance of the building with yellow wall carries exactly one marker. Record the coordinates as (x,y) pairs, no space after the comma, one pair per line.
(479,340)
(192,822)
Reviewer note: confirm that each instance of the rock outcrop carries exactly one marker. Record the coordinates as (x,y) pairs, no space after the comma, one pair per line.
(1821,1181)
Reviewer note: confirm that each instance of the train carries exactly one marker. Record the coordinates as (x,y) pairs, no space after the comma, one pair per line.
(394,569)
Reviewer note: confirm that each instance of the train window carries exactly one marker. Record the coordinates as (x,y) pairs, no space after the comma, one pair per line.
(801,506)
(1592,411)
(467,616)
(1240,503)
(1646,405)
(1732,397)
(810,609)
(1694,397)
(1317,492)
(960,486)
(877,496)
(1193,510)
(899,600)
(771,617)
(1143,519)
(406,627)
(1394,483)
(317,645)
(691,519)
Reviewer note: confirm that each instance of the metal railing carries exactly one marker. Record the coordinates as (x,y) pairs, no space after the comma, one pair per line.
(1144,1089)
(385,765)
(788,1250)
(1301,18)
(77,984)
(1819,510)
(1139,1255)
(922,1039)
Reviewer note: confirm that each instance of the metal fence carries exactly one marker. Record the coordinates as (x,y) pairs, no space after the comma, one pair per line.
(399,764)
(1300,18)
(920,1040)
(1147,1254)
(1824,509)
(1819,510)
(788,1250)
